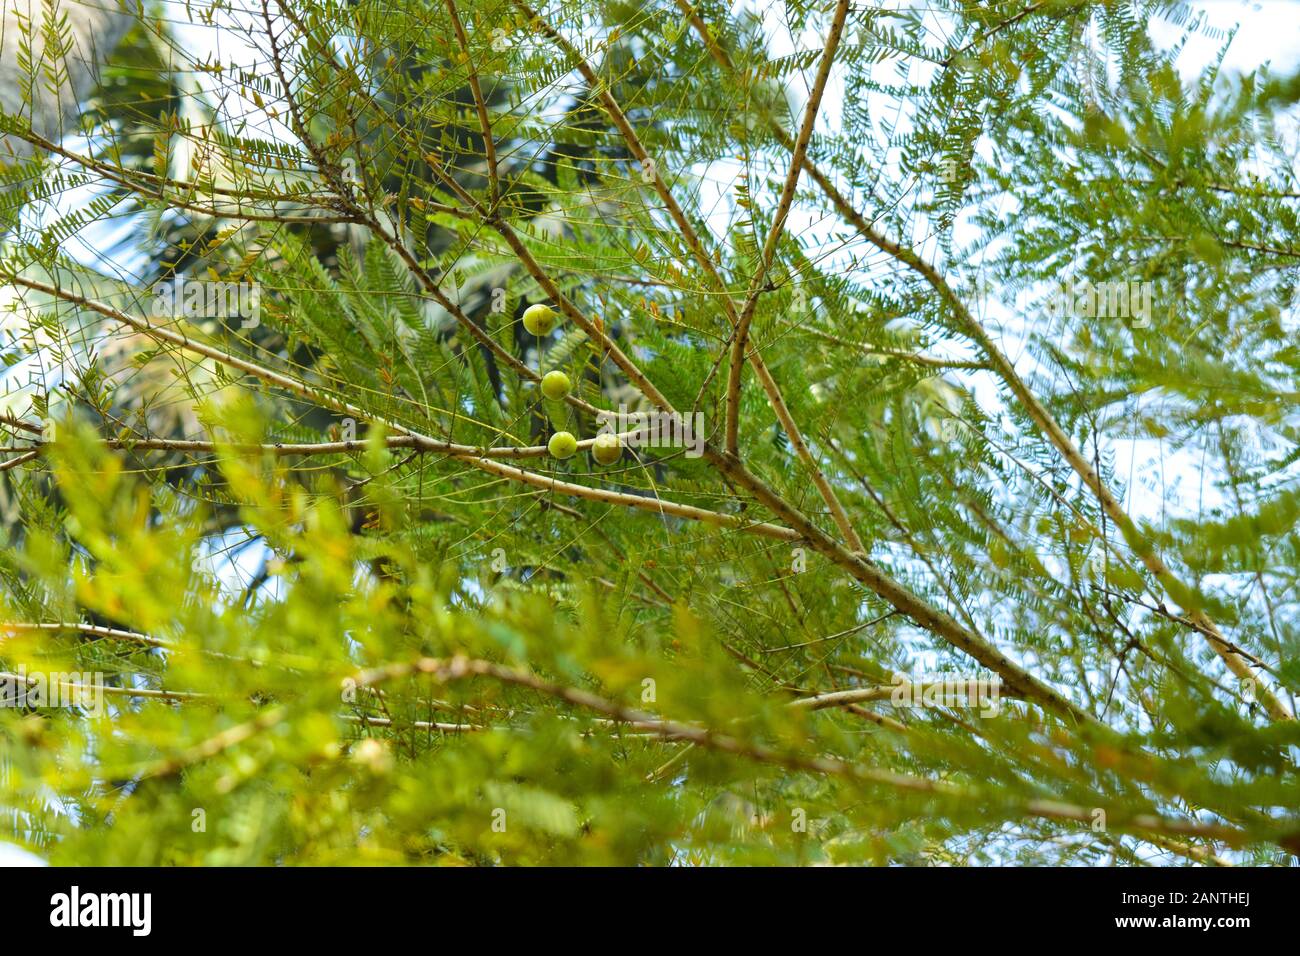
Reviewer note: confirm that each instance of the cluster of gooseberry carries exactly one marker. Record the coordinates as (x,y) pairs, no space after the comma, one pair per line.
(539,320)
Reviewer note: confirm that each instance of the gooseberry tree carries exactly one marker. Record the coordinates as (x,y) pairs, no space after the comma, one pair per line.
(989,554)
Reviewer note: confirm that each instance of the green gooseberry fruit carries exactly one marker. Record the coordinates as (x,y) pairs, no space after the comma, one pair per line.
(539,319)
(562,445)
(606,449)
(555,385)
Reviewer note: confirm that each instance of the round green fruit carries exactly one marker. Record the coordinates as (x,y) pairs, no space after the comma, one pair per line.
(539,319)
(606,449)
(562,445)
(555,385)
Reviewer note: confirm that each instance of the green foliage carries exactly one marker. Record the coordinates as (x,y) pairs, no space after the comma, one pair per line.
(339,606)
